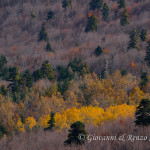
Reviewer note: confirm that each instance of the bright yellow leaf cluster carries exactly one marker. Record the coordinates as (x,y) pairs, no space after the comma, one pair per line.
(30,121)
(90,115)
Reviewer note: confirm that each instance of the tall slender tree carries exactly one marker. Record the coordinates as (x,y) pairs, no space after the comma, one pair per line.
(105,12)
(124,18)
(43,36)
(47,71)
(147,57)
(143,35)
(51,122)
(92,24)
(143,113)
(121,4)
(133,40)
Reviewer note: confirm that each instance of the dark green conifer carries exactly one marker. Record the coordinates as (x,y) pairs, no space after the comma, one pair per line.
(143,35)
(67,3)
(147,57)
(50,15)
(37,75)
(48,47)
(77,134)
(96,4)
(3,61)
(43,36)
(98,51)
(121,4)
(51,122)
(47,71)
(92,24)
(27,77)
(105,12)
(144,80)
(133,40)
(124,18)
(143,113)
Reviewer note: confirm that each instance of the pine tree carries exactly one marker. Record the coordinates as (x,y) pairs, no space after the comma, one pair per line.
(67,3)
(37,75)
(14,78)
(48,47)
(47,71)
(50,15)
(43,36)
(3,61)
(27,77)
(98,51)
(147,57)
(124,18)
(96,4)
(121,4)
(77,134)
(143,35)
(144,80)
(105,12)
(143,113)
(51,122)
(3,90)
(33,15)
(133,40)
(92,24)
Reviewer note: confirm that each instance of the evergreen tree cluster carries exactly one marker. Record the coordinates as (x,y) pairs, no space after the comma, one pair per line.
(45,72)
(134,38)
(18,82)
(67,74)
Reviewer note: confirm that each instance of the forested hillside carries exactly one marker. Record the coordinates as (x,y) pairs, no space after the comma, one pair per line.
(73,64)
(22,21)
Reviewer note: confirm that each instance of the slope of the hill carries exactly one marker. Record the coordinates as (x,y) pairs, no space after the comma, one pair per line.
(19,33)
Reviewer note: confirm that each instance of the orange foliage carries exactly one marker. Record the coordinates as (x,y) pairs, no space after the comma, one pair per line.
(115,6)
(134,5)
(133,65)
(105,51)
(129,9)
(14,48)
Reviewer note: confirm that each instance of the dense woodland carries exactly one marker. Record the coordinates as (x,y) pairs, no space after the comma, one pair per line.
(64,61)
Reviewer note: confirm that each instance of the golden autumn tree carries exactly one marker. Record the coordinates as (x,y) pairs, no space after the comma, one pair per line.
(136,95)
(30,123)
(7,112)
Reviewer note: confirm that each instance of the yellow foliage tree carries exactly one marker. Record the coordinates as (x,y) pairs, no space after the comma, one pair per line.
(30,122)
(43,121)
(20,126)
(136,95)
